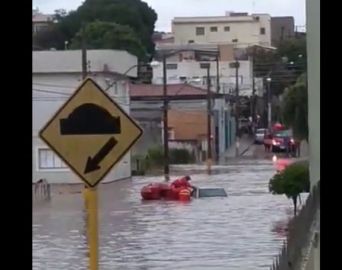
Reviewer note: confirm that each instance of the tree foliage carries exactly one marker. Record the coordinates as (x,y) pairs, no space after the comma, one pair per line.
(294,50)
(284,65)
(105,35)
(116,16)
(291,182)
(295,108)
(135,14)
(49,38)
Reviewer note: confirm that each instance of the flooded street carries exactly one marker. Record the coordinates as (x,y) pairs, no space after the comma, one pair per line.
(236,232)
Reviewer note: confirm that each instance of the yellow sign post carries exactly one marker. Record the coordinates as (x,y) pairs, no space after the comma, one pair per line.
(91,197)
(91,133)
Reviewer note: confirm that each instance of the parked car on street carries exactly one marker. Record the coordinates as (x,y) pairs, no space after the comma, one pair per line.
(259,135)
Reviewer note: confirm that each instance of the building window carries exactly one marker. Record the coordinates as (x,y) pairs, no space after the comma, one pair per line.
(183,79)
(200,31)
(227,28)
(191,41)
(262,31)
(213,29)
(235,40)
(171,66)
(49,160)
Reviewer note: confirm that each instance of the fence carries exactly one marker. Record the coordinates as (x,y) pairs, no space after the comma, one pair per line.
(299,232)
(41,191)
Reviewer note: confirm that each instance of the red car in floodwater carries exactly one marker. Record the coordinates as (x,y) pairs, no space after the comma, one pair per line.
(281,141)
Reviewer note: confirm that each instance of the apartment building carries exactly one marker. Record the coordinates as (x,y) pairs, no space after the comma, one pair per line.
(240,29)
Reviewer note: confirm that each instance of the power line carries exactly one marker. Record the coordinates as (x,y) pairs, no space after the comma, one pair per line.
(67,94)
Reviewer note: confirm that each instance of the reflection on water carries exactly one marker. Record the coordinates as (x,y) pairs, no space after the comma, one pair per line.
(236,232)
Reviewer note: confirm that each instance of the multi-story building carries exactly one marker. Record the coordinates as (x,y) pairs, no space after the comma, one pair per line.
(185,67)
(41,22)
(55,76)
(241,29)
(282,28)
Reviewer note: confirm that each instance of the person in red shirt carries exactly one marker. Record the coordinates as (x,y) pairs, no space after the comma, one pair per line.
(183,183)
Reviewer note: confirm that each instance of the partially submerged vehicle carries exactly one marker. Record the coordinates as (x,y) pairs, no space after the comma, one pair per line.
(160,191)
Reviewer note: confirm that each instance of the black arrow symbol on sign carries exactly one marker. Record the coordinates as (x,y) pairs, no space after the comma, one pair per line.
(93,163)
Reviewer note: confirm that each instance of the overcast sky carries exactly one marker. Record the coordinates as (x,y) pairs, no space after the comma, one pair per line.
(167,9)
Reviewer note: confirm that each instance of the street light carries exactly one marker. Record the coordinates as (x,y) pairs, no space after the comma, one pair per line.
(269,105)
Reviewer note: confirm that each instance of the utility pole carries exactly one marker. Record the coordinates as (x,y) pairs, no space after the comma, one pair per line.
(237,109)
(90,194)
(217,75)
(209,157)
(218,88)
(253,111)
(209,150)
(165,121)
(269,103)
(84,54)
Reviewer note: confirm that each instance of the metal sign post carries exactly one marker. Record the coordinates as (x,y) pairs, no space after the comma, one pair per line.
(92,227)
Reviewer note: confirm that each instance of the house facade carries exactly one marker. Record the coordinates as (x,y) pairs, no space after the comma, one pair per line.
(241,28)
(146,107)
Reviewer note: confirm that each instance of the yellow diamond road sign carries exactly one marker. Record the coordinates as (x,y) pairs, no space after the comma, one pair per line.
(90,133)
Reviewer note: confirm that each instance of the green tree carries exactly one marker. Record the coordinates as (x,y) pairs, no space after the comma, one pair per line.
(292,181)
(295,108)
(106,35)
(294,50)
(284,65)
(135,14)
(60,14)
(49,38)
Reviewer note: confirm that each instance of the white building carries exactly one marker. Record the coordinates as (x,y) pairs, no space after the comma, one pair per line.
(233,28)
(56,75)
(191,72)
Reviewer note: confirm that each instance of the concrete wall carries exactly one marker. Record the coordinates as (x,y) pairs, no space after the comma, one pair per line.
(71,61)
(313,48)
(149,117)
(46,101)
(313,52)
(244,28)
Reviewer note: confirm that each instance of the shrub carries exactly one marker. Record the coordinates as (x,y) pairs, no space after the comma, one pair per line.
(292,181)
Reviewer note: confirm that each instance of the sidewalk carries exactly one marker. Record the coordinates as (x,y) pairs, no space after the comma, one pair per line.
(245,143)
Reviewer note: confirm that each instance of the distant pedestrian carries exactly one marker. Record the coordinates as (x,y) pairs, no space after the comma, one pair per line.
(267,143)
(287,143)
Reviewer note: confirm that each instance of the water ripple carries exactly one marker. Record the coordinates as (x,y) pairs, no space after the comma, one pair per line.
(236,232)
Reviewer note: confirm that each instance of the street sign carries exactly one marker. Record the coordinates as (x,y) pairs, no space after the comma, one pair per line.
(90,133)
